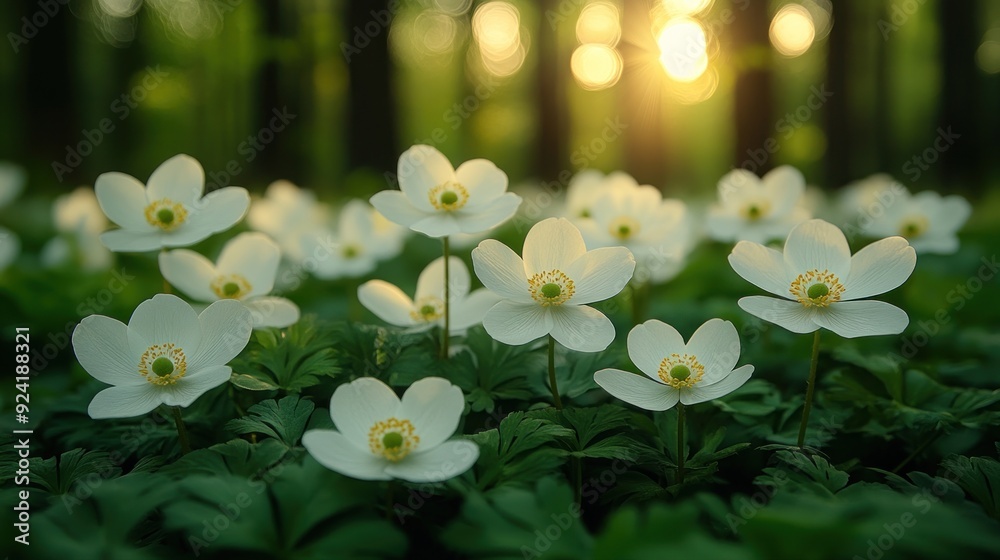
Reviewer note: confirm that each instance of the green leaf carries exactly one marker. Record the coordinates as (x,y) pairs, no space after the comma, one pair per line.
(251,383)
(809,470)
(285,419)
(58,475)
(291,359)
(237,456)
(980,477)
(520,450)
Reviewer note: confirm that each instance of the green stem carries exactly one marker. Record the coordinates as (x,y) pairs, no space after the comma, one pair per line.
(920,449)
(182,434)
(389,501)
(810,389)
(552,374)
(446,334)
(577,479)
(680,443)
(166,285)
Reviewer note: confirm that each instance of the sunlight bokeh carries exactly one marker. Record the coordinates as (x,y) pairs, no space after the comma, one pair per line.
(792,30)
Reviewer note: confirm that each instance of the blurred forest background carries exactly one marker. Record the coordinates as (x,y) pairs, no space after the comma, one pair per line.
(676,92)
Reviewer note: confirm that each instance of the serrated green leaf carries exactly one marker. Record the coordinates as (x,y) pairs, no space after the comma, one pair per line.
(285,419)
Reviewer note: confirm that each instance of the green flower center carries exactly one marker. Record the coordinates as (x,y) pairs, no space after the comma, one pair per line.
(449,197)
(350,252)
(392,440)
(817,291)
(165,215)
(231,288)
(428,310)
(551,290)
(753,212)
(163,366)
(680,372)
(585,213)
(624,231)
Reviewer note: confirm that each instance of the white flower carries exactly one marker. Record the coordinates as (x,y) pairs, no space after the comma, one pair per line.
(78,218)
(757,209)
(695,372)
(12,179)
(285,213)
(244,272)
(820,281)
(361,240)
(170,210)
(929,221)
(584,189)
(426,309)
(438,200)
(547,292)
(167,354)
(380,437)
(657,231)
(860,200)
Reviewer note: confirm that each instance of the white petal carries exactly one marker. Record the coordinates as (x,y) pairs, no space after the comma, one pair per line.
(485,217)
(501,270)
(439,224)
(131,241)
(851,319)
(101,346)
(163,319)
(787,314)
(186,235)
(357,406)
(431,279)
(517,323)
(600,274)
(879,267)
(255,257)
(10,247)
(271,311)
(817,245)
(650,342)
(219,210)
(715,344)
(123,200)
(761,266)
(420,169)
(434,406)
(472,310)
(552,244)
(736,185)
(952,213)
(180,179)
(635,389)
(483,179)
(941,245)
(396,207)
(701,393)
(332,450)
(784,186)
(387,302)
(581,328)
(189,272)
(191,386)
(225,328)
(441,463)
(125,401)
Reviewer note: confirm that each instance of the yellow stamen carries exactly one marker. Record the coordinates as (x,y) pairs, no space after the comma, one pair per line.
(427,309)
(816,288)
(393,439)
(165,214)
(681,371)
(163,364)
(231,286)
(551,287)
(448,196)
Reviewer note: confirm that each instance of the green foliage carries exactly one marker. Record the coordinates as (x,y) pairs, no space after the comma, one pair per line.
(980,477)
(290,359)
(519,451)
(284,420)
(662,532)
(238,457)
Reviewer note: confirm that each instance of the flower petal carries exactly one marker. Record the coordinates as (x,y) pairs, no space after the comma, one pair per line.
(125,401)
(761,266)
(225,328)
(332,450)
(637,390)
(441,463)
(123,200)
(485,217)
(180,179)
(131,241)
(431,279)
(472,310)
(164,319)
(783,186)
(737,185)
(396,207)
(255,257)
(517,323)
(851,319)
(817,245)
(420,169)
(552,244)
(190,387)
(434,406)
(101,346)
(701,393)
(501,270)
(790,315)
(219,210)
(271,311)
(483,179)
(387,302)
(715,344)
(355,407)
(189,272)
(581,328)
(600,274)
(879,267)
(650,342)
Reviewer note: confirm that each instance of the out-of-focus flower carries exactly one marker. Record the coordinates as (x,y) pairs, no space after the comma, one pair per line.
(285,213)
(929,221)
(78,219)
(757,209)
(362,238)
(12,179)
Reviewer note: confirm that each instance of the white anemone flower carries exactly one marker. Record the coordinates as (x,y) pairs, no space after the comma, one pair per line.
(78,218)
(438,200)
(820,284)
(691,373)
(380,437)
(757,209)
(354,249)
(583,191)
(167,354)
(12,179)
(285,213)
(929,221)
(244,272)
(546,293)
(858,201)
(658,231)
(169,211)
(426,308)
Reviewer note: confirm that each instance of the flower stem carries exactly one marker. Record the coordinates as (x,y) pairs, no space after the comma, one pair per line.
(810,389)
(446,333)
(389,503)
(182,434)
(552,374)
(166,285)
(577,479)
(920,449)
(680,443)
